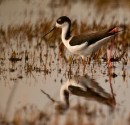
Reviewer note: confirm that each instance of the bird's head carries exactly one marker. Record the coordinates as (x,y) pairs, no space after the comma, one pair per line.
(62,22)
(60,107)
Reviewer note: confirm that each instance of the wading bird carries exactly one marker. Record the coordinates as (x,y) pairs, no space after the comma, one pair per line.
(84,44)
(82,86)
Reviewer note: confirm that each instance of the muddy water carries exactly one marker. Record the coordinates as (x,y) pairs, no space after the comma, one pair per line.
(21,84)
(41,67)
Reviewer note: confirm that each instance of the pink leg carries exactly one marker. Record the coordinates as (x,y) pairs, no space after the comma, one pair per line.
(109,59)
(84,65)
(110,54)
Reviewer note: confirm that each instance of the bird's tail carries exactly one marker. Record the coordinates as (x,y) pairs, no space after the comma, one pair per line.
(117,29)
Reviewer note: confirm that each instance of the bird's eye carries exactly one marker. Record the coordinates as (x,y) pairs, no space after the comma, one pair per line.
(59,21)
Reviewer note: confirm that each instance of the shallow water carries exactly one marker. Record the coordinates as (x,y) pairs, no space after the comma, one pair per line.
(26,68)
(21,86)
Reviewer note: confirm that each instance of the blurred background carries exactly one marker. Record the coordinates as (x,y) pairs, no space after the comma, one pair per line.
(20,11)
(27,66)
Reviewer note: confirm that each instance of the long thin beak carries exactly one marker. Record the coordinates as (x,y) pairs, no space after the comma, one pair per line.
(49,32)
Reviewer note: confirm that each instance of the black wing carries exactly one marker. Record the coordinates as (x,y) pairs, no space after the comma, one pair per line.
(91,38)
(89,94)
(77,90)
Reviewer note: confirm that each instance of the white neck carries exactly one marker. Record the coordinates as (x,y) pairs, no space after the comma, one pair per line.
(63,34)
(62,96)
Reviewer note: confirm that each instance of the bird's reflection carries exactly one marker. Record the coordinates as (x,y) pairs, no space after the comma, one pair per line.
(82,86)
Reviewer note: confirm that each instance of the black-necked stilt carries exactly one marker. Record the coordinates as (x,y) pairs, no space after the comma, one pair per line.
(83,44)
(83,86)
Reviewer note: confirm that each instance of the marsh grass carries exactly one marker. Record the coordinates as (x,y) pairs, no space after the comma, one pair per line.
(21,45)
